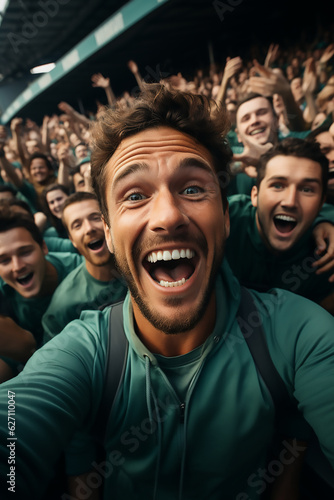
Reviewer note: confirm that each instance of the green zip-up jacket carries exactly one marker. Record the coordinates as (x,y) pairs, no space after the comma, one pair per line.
(196,426)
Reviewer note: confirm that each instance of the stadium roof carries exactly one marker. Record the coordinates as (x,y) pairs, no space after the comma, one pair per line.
(162,36)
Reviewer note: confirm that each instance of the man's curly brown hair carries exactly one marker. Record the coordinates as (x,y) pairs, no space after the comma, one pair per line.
(159,106)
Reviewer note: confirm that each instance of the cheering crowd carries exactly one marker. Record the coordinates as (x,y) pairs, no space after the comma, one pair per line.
(275,166)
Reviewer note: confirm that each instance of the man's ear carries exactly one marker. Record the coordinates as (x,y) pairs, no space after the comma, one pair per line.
(254,195)
(107,235)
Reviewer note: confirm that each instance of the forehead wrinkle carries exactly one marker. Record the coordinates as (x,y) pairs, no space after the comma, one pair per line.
(145,151)
(158,145)
(186,163)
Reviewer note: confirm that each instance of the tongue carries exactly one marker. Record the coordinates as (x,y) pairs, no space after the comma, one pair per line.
(176,273)
(284,226)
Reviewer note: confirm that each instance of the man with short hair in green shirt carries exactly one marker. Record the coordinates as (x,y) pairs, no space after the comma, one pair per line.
(29,274)
(193,418)
(95,282)
(271,242)
(257,129)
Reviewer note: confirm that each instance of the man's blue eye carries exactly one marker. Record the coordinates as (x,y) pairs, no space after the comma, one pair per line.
(135,197)
(192,190)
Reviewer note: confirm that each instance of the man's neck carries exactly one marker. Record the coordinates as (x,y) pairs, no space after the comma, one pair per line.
(177,344)
(50,281)
(105,272)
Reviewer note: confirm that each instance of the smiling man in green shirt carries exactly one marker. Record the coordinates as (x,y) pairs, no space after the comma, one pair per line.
(193,418)
(29,275)
(95,282)
(271,243)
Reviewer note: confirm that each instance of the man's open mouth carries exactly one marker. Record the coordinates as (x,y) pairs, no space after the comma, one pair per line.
(171,268)
(284,223)
(96,245)
(25,279)
(258,130)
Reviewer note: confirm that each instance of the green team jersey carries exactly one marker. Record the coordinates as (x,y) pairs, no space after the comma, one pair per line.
(256,267)
(57,244)
(28,312)
(240,184)
(77,292)
(195,426)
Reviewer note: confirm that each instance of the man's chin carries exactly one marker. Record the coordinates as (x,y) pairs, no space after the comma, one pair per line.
(281,246)
(175,320)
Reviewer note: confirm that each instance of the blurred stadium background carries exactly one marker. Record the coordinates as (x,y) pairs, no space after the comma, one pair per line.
(163,37)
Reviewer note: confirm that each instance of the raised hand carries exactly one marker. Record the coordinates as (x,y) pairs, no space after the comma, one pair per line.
(310,76)
(323,234)
(269,82)
(271,55)
(232,67)
(66,108)
(327,54)
(98,80)
(133,67)
(16,124)
(251,155)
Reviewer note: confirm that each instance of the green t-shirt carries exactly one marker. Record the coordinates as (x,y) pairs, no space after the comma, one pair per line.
(77,292)
(209,448)
(256,267)
(240,184)
(28,312)
(54,232)
(57,244)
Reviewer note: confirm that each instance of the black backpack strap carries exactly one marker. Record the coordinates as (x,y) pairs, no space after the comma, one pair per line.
(257,344)
(114,372)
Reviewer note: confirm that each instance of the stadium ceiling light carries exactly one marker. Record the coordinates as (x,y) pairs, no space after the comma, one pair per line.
(44,68)
(3,8)
(3,5)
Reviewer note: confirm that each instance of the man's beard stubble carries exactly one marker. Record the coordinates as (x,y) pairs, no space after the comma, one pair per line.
(171,326)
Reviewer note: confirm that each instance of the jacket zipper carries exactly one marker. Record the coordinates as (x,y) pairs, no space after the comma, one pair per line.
(182,412)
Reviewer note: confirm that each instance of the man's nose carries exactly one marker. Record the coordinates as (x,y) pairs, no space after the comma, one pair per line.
(166,213)
(254,118)
(88,226)
(290,197)
(17,263)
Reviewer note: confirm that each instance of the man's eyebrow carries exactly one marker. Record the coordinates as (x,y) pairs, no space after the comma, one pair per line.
(185,163)
(75,221)
(195,162)
(130,169)
(20,249)
(282,178)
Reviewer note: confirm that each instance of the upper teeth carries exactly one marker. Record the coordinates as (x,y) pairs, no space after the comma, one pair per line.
(23,276)
(256,131)
(285,217)
(173,255)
